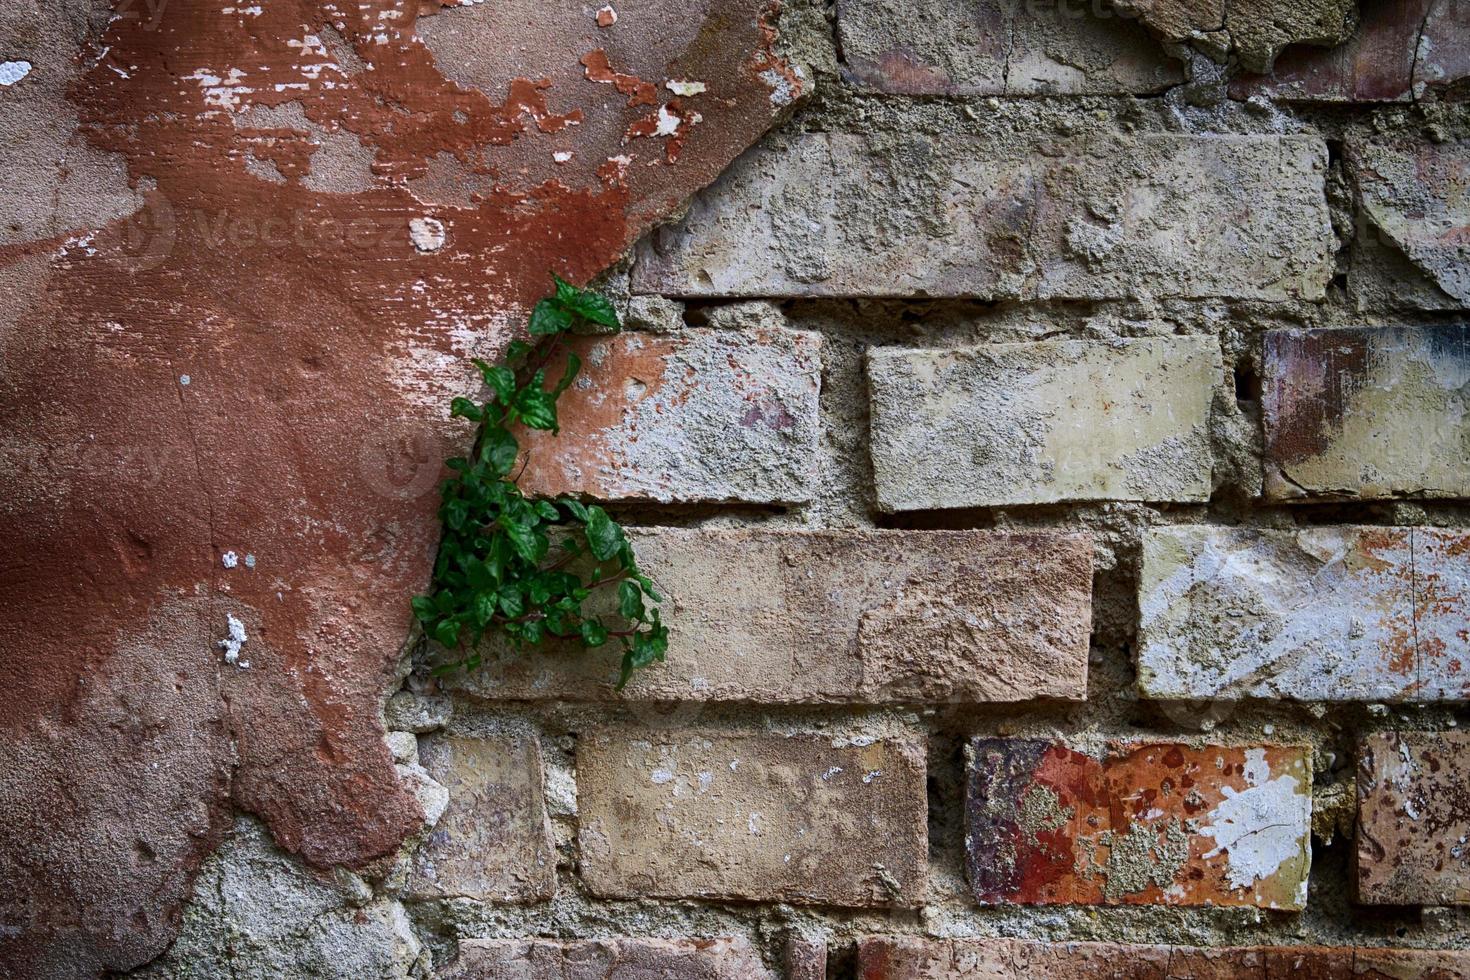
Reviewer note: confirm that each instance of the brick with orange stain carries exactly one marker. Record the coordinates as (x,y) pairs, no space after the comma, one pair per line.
(700,415)
(1344,613)
(1143,824)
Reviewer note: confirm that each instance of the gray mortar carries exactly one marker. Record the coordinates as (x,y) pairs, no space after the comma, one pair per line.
(213,929)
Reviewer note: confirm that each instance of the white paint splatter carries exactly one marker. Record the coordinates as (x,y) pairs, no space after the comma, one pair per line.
(1261,827)
(13,71)
(232,644)
(661,776)
(229,559)
(668,122)
(686,89)
(562,156)
(427,233)
(184,380)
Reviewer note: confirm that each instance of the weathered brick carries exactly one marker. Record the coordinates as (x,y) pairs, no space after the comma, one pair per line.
(753,815)
(1038,423)
(1254,31)
(494,840)
(1399,50)
(831,214)
(700,415)
(999,47)
(806,957)
(1318,614)
(1145,824)
(1417,195)
(722,958)
(926,958)
(838,616)
(1377,412)
(1414,819)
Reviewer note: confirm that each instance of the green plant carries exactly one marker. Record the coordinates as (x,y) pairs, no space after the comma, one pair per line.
(515,566)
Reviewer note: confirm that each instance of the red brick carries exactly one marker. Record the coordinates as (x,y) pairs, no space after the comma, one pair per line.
(1146,824)
(925,958)
(1414,818)
(725,958)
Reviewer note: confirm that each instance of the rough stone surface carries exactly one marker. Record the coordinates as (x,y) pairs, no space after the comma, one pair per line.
(1032,218)
(1254,31)
(1414,819)
(1368,412)
(832,616)
(259,914)
(493,841)
(998,47)
(925,958)
(1416,194)
(1316,614)
(1400,51)
(410,712)
(701,415)
(223,335)
(1039,423)
(1147,824)
(759,816)
(723,958)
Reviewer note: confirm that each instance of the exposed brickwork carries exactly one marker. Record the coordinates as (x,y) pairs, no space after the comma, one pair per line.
(1414,819)
(1399,51)
(1318,614)
(1368,413)
(1040,423)
(725,958)
(923,958)
(842,616)
(1148,824)
(995,47)
(493,841)
(757,816)
(1035,218)
(702,415)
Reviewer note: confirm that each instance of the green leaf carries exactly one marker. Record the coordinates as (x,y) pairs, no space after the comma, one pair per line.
(575,507)
(498,450)
(549,317)
(529,543)
(574,364)
(630,599)
(484,608)
(447,633)
(596,308)
(537,408)
(502,381)
(465,409)
(594,634)
(566,293)
(604,537)
(547,510)
(423,608)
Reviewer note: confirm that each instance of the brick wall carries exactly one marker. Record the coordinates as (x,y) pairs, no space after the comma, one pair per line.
(1053,447)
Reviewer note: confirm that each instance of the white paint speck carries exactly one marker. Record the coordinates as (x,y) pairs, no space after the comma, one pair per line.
(13,71)
(686,89)
(427,233)
(668,122)
(831,772)
(232,644)
(249,561)
(562,156)
(229,559)
(184,380)
(661,776)
(871,775)
(753,823)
